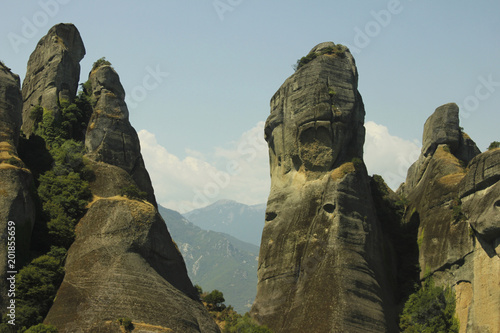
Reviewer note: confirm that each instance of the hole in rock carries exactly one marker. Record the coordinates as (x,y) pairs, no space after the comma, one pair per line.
(270,216)
(497,204)
(329,208)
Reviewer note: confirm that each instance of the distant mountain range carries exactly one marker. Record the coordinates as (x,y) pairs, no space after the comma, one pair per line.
(216,260)
(236,219)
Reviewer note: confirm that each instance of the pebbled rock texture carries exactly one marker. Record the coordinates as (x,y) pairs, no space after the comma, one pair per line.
(321,263)
(16,182)
(455,198)
(53,72)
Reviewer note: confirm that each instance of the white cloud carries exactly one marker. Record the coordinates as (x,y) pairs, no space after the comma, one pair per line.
(388,155)
(238,172)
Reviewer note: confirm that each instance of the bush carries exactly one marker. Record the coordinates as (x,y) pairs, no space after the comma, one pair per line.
(430,309)
(246,324)
(42,328)
(357,162)
(458,214)
(36,114)
(100,62)
(126,323)
(215,300)
(37,284)
(337,50)
(133,192)
(493,145)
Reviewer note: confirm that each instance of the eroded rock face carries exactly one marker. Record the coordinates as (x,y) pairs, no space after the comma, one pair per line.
(110,137)
(16,203)
(457,207)
(441,128)
(320,262)
(53,72)
(124,263)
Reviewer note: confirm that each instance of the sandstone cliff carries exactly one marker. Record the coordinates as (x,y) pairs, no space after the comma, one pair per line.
(16,182)
(453,192)
(321,262)
(53,72)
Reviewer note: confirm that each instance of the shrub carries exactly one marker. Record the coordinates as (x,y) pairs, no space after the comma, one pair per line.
(100,62)
(337,50)
(215,300)
(36,114)
(493,145)
(42,328)
(126,323)
(37,284)
(357,162)
(430,309)
(246,324)
(458,214)
(133,192)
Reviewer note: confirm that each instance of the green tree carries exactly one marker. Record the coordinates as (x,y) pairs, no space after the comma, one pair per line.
(37,284)
(246,324)
(431,309)
(126,323)
(493,145)
(42,328)
(133,192)
(215,300)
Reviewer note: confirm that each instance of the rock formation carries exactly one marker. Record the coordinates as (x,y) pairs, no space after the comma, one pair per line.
(110,138)
(321,258)
(16,182)
(53,72)
(123,262)
(454,193)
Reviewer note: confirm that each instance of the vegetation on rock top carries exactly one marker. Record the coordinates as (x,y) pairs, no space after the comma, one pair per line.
(337,50)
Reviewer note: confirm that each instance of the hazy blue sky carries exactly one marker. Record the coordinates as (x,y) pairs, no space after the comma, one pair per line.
(218,63)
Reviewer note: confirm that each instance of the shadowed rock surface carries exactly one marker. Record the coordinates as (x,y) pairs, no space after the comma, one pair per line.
(16,203)
(456,204)
(321,262)
(53,72)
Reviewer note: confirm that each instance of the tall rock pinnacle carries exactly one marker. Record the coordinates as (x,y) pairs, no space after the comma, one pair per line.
(454,195)
(53,72)
(110,137)
(320,262)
